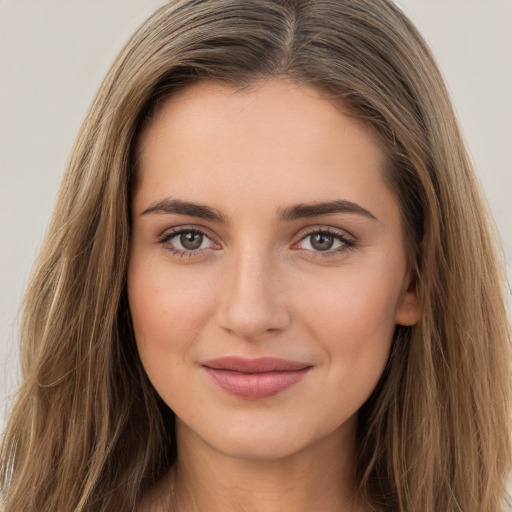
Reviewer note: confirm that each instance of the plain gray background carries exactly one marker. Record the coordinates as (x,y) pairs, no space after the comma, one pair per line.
(54,54)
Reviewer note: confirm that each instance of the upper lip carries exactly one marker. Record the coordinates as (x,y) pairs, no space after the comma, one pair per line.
(258,365)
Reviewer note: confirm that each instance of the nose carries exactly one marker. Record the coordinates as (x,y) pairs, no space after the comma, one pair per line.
(252,299)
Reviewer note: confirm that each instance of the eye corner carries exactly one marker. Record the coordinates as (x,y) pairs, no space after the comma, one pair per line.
(331,242)
(194,246)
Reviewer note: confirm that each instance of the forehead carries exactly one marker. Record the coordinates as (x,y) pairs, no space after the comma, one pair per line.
(278,136)
(280,102)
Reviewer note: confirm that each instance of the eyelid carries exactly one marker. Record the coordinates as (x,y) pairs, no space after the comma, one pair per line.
(348,240)
(323,228)
(174,231)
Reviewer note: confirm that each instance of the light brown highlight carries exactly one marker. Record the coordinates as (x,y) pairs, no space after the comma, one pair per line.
(89,433)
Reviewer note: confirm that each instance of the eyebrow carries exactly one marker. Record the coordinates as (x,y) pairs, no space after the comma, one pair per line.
(300,211)
(169,205)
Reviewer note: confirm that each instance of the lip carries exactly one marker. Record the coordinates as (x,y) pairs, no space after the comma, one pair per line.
(255,379)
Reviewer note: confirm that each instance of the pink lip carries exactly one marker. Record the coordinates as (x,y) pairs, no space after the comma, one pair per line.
(255,378)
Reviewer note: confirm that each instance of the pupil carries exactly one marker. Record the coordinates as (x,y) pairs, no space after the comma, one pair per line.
(191,240)
(322,242)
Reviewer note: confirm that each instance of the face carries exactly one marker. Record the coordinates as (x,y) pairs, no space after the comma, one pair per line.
(267,269)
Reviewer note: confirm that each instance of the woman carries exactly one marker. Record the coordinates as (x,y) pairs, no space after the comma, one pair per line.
(270,282)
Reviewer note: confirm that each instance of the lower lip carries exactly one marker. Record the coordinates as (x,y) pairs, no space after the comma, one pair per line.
(255,386)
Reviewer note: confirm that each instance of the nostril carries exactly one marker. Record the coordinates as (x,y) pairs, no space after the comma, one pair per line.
(253,320)
(250,303)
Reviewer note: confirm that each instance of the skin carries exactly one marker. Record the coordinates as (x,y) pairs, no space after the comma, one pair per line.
(259,287)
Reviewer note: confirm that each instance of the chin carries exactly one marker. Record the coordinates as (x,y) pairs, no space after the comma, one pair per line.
(259,447)
(262,440)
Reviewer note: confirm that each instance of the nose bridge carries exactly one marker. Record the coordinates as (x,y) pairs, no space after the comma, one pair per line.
(252,302)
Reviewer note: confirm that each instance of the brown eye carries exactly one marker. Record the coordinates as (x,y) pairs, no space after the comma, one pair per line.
(187,242)
(326,241)
(322,242)
(191,240)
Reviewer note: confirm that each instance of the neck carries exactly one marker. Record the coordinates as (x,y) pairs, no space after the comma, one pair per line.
(319,477)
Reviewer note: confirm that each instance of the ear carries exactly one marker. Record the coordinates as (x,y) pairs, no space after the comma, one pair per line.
(409,308)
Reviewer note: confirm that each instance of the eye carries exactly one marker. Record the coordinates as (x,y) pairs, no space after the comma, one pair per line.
(325,240)
(186,241)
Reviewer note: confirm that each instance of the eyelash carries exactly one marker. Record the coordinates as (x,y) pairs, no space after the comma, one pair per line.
(348,243)
(169,235)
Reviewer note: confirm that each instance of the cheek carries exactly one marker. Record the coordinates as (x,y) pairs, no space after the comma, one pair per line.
(357,306)
(169,310)
(353,320)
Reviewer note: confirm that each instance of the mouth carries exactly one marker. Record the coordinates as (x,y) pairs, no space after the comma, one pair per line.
(255,379)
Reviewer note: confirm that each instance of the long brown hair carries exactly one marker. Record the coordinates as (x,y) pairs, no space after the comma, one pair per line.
(89,433)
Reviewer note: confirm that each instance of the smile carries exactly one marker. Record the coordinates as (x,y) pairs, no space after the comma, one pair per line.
(255,379)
